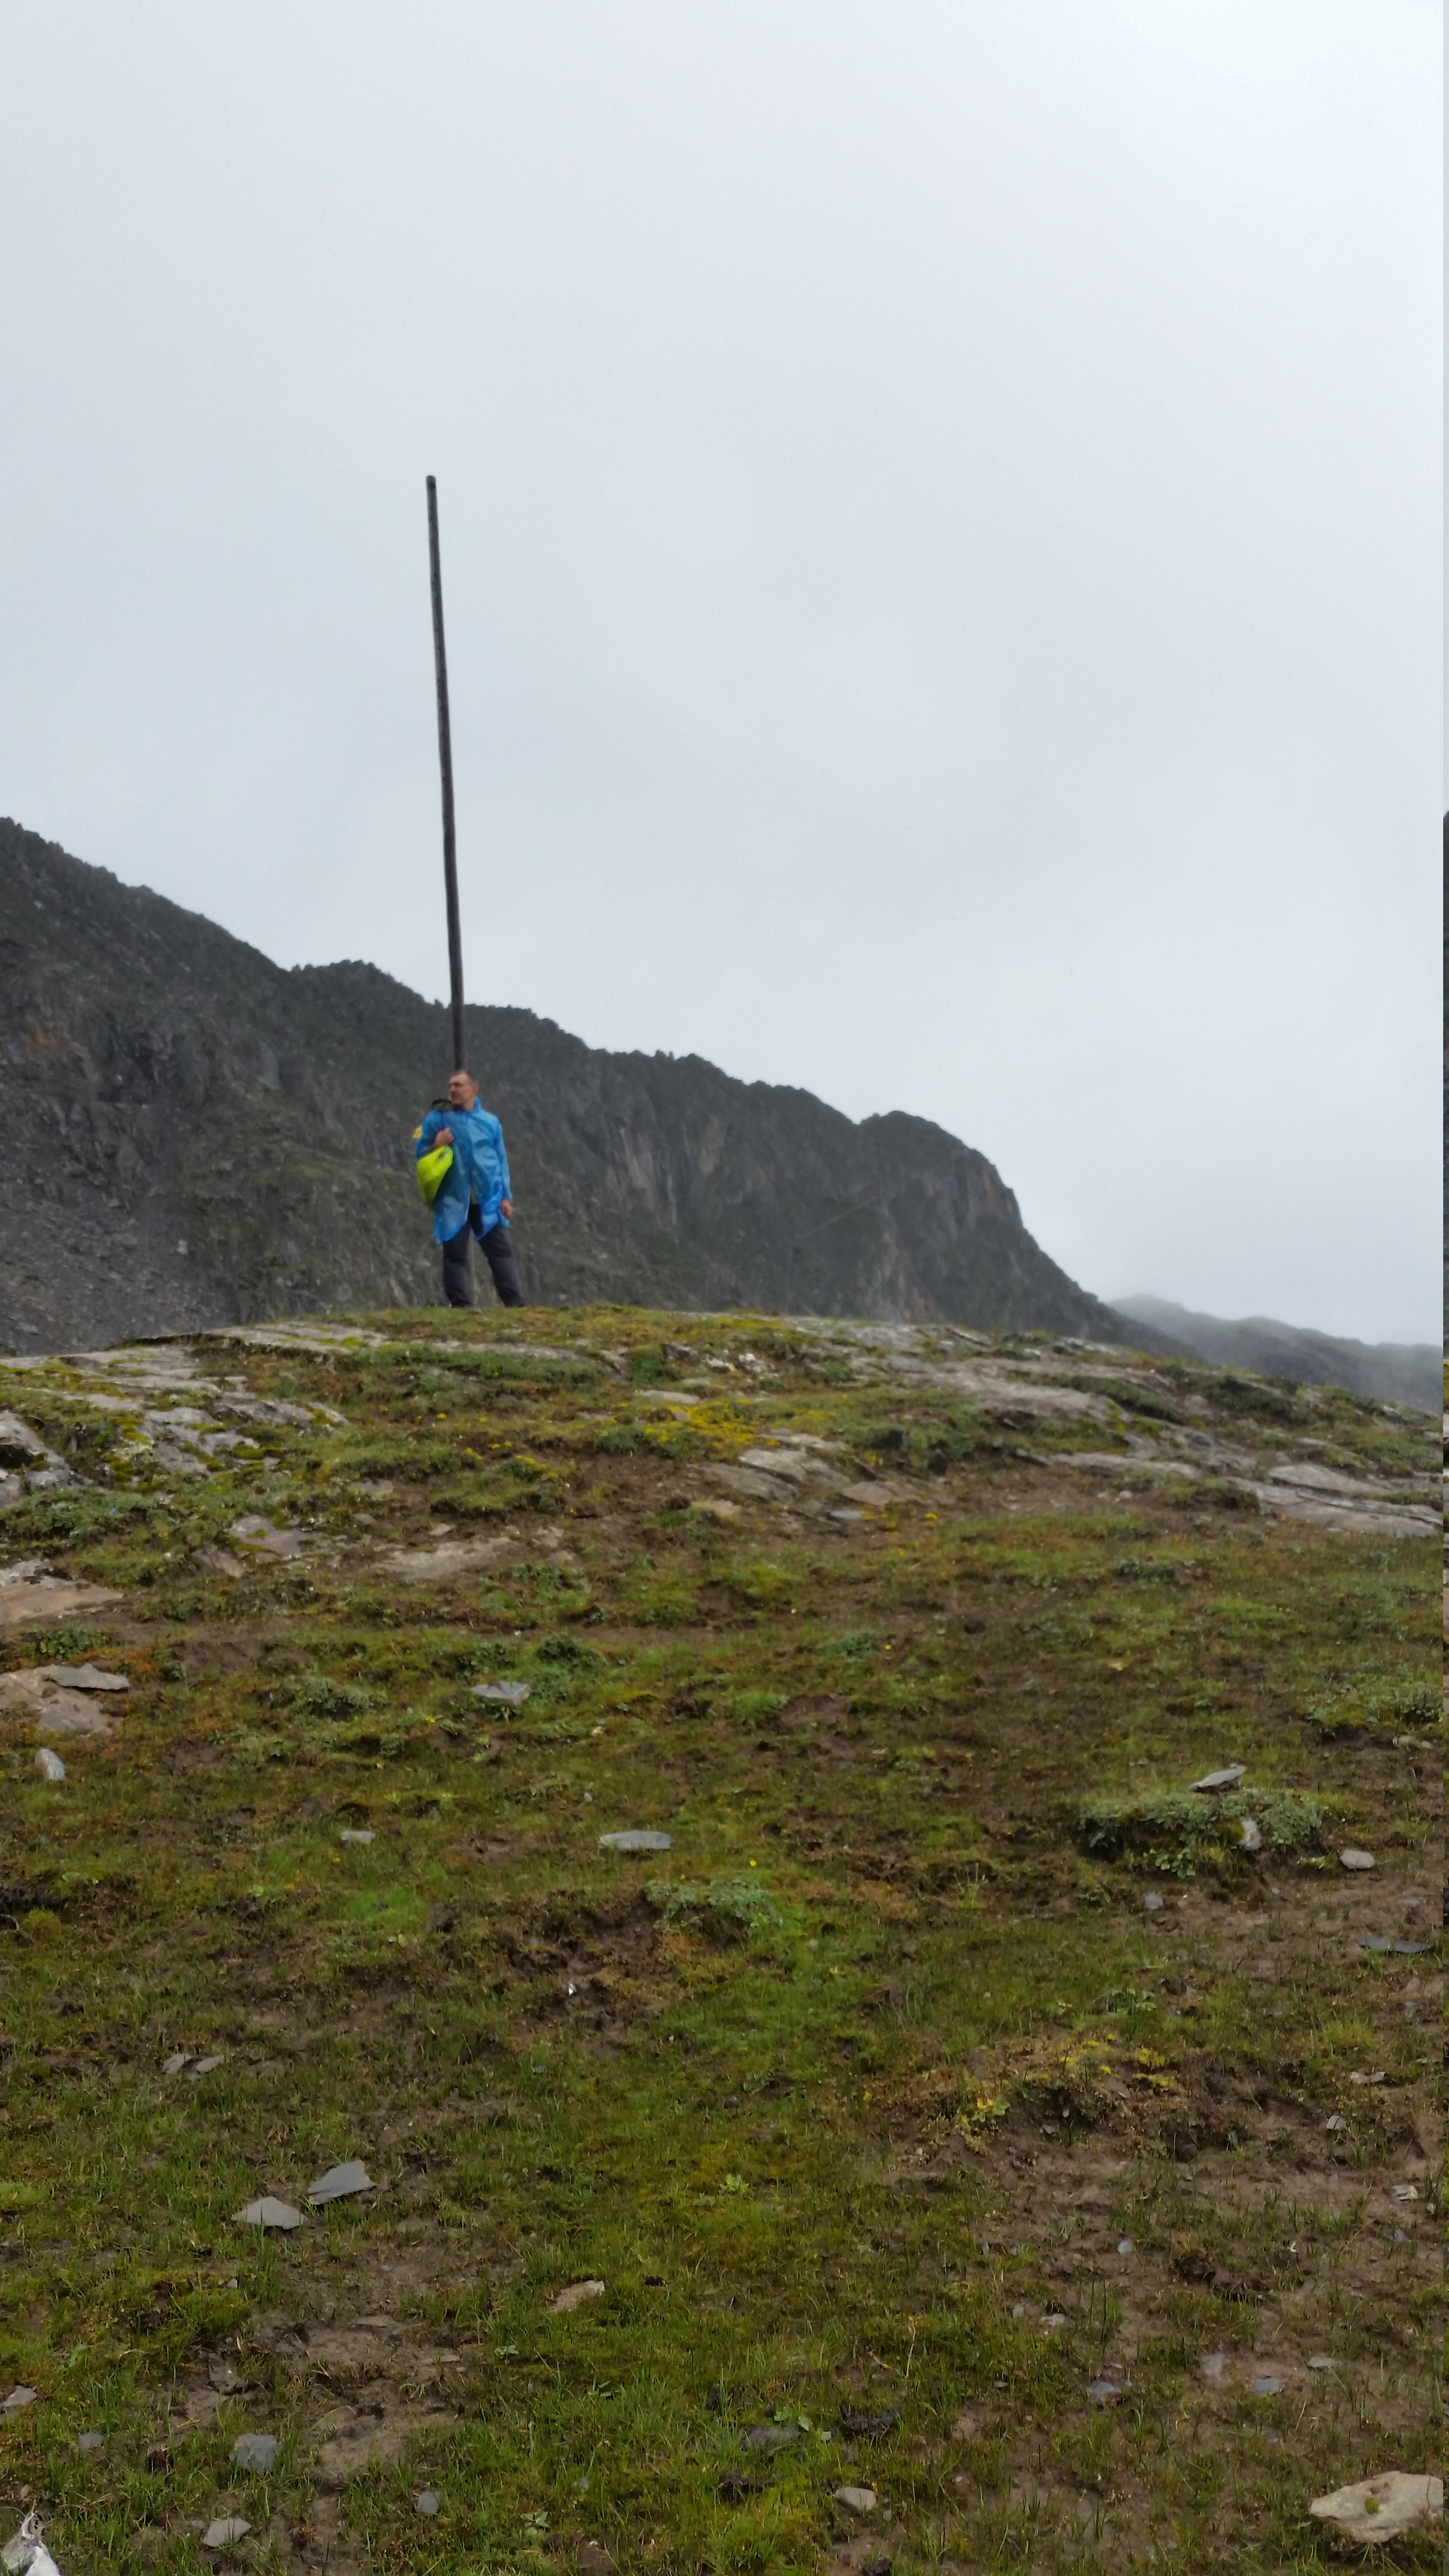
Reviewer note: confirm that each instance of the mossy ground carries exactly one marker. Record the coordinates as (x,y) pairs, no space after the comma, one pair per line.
(882,2067)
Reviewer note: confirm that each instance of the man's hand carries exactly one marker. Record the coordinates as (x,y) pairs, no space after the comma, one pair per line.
(444,1136)
(505,1208)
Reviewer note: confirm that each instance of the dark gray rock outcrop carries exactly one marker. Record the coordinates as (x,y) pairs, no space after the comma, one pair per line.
(190,1134)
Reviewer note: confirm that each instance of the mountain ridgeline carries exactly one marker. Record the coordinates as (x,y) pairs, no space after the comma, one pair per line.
(194,1135)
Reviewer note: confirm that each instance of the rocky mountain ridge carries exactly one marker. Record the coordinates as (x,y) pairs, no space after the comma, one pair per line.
(193,1135)
(1398,1372)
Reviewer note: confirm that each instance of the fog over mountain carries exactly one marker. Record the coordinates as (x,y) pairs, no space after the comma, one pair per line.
(940,512)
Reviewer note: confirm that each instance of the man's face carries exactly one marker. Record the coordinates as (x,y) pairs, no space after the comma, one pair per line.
(462,1090)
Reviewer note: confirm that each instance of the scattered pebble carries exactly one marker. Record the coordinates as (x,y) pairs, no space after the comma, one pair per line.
(17,2398)
(357,1834)
(339,2182)
(1252,1834)
(1125,2245)
(173,2065)
(1321,2361)
(575,2296)
(1267,2387)
(1020,2308)
(257,2451)
(1153,1904)
(1335,2120)
(204,2066)
(1054,2321)
(1404,2191)
(1380,2508)
(1103,2392)
(429,2502)
(225,2533)
(49,1765)
(855,2499)
(770,2437)
(1353,1858)
(1214,2365)
(1227,1778)
(1358,2076)
(268,2212)
(88,2442)
(636,1838)
(511,1694)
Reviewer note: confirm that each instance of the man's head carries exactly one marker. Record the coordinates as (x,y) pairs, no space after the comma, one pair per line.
(462,1090)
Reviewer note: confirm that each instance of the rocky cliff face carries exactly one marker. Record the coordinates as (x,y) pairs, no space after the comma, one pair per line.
(190,1134)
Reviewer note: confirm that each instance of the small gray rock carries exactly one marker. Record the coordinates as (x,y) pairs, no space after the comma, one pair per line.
(1353,1858)
(49,1765)
(770,2437)
(510,1694)
(636,1839)
(339,2182)
(88,2442)
(257,2451)
(17,2398)
(268,2212)
(855,2499)
(224,2533)
(1103,2392)
(1267,2387)
(203,2066)
(1125,2245)
(1153,1904)
(1321,2361)
(1227,1778)
(357,1834)
(1252,1834)
(1213,2365)
(173,2065)
(429,2502)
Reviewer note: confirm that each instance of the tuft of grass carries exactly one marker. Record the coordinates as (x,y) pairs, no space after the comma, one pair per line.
(1179,1833)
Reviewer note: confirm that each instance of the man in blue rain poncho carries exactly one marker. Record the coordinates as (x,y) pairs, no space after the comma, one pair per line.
(475,1194)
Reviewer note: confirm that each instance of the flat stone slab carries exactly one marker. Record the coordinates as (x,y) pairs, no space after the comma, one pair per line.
(1379,2508)
(84,1677)
(28,1592)
(636,1839)
(61,1712)
(340,2182)
(269,2212)
(443,1564)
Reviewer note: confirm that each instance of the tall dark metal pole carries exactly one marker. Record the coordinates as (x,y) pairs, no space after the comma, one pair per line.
(445,762)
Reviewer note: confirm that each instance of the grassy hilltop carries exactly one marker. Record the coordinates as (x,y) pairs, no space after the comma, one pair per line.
(962,2108)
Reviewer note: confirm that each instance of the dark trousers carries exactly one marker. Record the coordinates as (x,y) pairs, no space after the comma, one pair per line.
(498,1252)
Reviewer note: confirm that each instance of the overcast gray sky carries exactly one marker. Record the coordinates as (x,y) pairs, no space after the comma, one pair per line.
(940,513)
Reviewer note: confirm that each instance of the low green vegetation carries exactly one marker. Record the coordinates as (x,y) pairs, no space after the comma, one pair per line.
(960,2106)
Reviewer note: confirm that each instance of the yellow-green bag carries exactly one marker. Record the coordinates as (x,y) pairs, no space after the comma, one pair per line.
(432,1170)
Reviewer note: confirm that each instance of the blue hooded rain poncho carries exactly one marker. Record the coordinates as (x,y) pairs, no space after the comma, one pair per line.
(479,1177)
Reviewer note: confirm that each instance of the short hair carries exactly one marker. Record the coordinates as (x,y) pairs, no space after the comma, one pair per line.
(461,1074)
